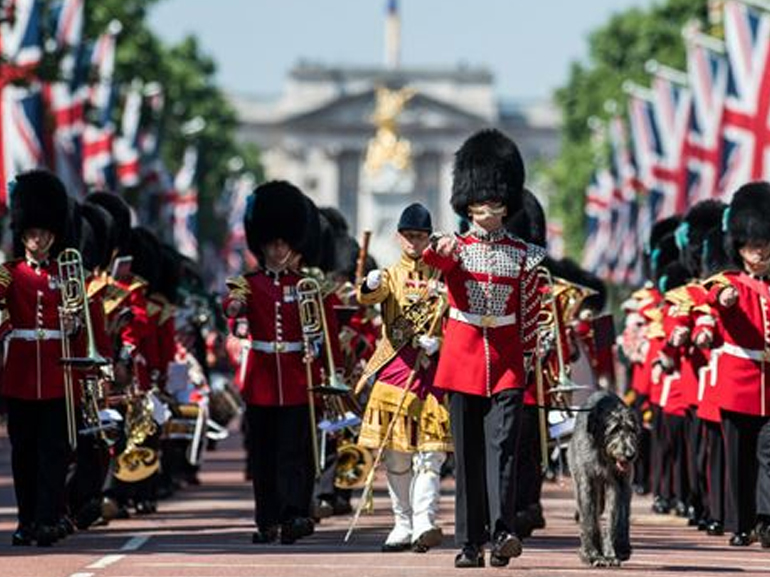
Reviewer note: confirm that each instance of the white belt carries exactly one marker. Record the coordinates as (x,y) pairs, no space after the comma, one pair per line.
(740,352)
(35,334)
(277,346)
(488,321)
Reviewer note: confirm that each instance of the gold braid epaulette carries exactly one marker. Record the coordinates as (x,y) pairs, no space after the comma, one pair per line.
(153,309)
(167,313)
(717,279)
(6,278)
(239,287)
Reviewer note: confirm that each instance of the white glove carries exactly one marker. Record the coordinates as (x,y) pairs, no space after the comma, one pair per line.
(374,279)
(428,344)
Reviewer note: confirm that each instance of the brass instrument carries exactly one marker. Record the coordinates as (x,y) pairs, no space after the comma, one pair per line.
(74,312)
(137,463)
(315,333)
(353,465)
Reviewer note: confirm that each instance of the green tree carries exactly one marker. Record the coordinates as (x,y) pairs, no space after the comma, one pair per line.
(188,77)
(618,52)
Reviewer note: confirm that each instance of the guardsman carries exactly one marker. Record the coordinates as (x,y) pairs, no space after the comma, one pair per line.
(494,297)
(33,381)
(282,230)
(420,437)
(741,300)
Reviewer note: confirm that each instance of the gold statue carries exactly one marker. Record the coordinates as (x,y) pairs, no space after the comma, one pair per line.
(387,147)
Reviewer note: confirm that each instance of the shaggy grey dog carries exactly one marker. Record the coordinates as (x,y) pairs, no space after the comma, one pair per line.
(601,452)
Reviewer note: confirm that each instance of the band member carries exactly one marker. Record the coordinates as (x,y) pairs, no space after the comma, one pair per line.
(488,342)
(282,229)
(420,438)
(33,382)
(742,303)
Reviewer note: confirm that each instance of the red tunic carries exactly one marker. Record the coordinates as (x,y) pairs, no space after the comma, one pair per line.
(275,371)
(494,302)
(134,334)
(31,296)
(742,363)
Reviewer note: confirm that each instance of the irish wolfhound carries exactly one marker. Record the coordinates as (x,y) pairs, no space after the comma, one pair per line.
(601,453)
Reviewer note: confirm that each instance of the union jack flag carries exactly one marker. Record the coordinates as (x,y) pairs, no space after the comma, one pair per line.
(671,104)
(233,206)
(707,72)
(68,15)
(598,210)
(21,121)
(746,153)
(182,206)
(127,154)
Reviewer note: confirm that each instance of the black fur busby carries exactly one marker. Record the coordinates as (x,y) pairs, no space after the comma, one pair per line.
(748,217)
(488,167)
(121,215)
(415,217)
(714,257)
(39,200)
(660,229)
(571,271)
(529,223)
(145,250)
(279,210)
(170,273)
(336,219)
(103,227)
(89,245)
(692,231)
(673,275)
(664,253)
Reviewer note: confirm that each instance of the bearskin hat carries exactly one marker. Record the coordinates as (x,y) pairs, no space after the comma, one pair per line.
(89,246)
(335,219)
(664,253)
(714,257)
(103,227)
(529,223)
(487,167)
(170,272)
(673,275)
(660,229)
(121,215)
(692,231)
(748,218)
(571,271)
(145,250)
(39,200)
(279,210)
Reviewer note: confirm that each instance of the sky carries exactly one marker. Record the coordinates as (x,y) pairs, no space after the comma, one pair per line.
(527,44)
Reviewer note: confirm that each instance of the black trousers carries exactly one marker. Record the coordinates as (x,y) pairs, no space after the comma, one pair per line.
(281,463)
(741,433)
(643,464)
(39,456)
(763,475)
(676,434)
(693,440)
(530,478)
(91,468)
(715,467)
(661,479)
(486,436)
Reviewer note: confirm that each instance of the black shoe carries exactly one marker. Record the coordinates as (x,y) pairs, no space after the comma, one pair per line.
(506,545)
(46,535)
(742,539)
(498,561)
(703,524)
(323,509)
(680,510)
(715,529)
(470,556)
(65,527)
(427,540)
(296,529)
(395,547)
(23,536)
(661,506)
(763,532)
(269,535)
(640,489)
(341,506)
(88,514)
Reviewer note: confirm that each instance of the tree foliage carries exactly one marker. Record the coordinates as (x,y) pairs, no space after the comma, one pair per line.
(188,77)
(618,51)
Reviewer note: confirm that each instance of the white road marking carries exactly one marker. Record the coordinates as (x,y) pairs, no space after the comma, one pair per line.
(132,544)
(82,575)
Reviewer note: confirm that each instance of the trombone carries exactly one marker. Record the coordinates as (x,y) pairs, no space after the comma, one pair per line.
(315,333)
(74,312)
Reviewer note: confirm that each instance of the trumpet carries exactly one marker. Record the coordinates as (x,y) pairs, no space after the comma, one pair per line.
(75,312)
